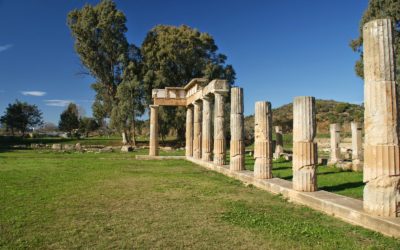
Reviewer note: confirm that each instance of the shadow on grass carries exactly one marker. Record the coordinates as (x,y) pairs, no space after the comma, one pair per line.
(289,178)
(343,186)
(330,172)
(281,168)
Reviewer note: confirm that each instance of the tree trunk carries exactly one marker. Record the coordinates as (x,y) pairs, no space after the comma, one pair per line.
(133,130)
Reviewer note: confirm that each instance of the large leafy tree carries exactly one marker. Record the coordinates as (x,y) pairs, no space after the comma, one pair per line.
(102,46)
(172,56)
(129,107)
(379,9)
(20,116)
(69,118)
(87,125)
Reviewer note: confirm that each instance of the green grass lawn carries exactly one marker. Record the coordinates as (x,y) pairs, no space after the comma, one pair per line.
(110,200)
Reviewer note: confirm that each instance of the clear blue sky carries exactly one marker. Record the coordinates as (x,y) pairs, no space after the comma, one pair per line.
(279,49)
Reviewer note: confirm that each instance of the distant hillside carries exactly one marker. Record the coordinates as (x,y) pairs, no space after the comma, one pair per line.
(328,111)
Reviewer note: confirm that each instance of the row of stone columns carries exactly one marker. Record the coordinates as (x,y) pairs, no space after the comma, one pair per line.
(381,154)
(356,141)
(199,143)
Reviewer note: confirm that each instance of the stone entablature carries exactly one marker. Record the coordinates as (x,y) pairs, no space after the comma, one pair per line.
(195,90)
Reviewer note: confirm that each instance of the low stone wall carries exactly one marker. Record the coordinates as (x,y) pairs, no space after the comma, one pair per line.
(342,207)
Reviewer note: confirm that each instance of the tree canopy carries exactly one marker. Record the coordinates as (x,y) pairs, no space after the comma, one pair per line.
(172,56)
(100,42)
(379,9)
(20,116)
(125,74)
(87,125)
(69,118)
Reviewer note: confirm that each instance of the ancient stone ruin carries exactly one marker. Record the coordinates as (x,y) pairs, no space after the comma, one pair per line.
(206,142)
(357,150)
(381,155)
(305,155)
(278,142)
(335,141)
(263,140)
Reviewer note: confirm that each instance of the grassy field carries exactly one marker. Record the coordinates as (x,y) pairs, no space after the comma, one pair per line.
(109,200)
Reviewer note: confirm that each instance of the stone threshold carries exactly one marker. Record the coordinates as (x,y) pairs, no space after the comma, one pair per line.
(345,208)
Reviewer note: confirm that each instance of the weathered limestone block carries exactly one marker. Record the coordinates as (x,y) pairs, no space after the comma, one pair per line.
(189,131)
(56,146)
(263,140)
(206,142)
(305,154)
(237,130)
(219,130)
(335,141)
(279,142)
(69,147)
(153,150)
(197,130)
(381,152)
(356,141)
(126,148)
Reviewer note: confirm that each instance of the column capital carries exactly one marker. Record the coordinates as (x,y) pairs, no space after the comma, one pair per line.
(206,98)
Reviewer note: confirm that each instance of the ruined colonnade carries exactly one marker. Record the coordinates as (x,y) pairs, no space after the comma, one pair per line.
(381,154)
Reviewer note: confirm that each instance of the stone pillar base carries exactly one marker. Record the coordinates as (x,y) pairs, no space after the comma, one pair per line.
(206,156)
(305,160)
(219,152)
(237,156)
(381,196)
(263,168)
(305,179)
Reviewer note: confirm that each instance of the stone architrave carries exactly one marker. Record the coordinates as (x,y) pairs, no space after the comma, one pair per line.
(263,140)
(206,134)
(197,130)
(304,149)
(381,151)
(219,130)
(279,142)
(335,141)
(153,150)
(356,143)
(189,131)
(237,150)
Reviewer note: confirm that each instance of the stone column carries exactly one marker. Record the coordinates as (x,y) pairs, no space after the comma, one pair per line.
(356,142)
(279,142)
(381,152)
(206,135)
(197,130)
(304,149)
(335,141)
(237,130)
(153,151)
(189,131)
(263,140)
(219,130)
